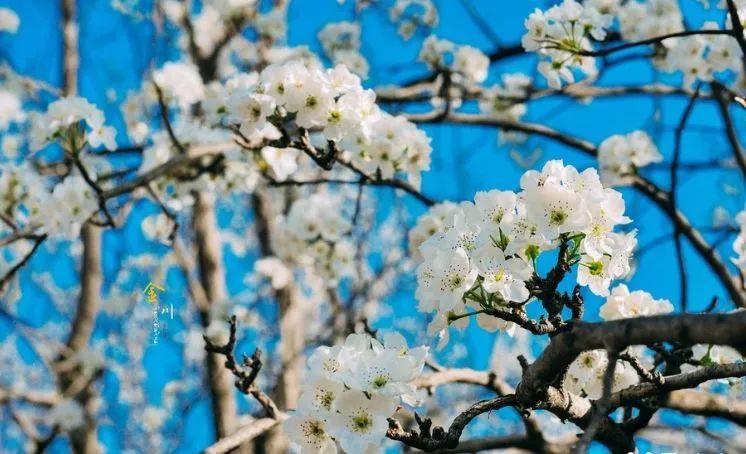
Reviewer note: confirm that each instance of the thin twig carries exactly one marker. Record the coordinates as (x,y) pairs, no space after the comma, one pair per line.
(672,196)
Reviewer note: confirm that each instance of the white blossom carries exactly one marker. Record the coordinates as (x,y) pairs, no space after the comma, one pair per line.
(180,82)
(9,21)
(560,35)
(622,303)
(413,14)
(482,255)
(428,225)
(71,203)
(586,374)
(352,390)
(64,120)
(273,268)
(619,156)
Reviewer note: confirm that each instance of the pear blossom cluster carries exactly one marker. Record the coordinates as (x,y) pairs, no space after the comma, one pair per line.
(619,157)
(61,211)
(71,203)
(560,35)
(331,105)
(697,57)
(314,236)
(639,20)
(180,85)
(704,356)
(464,61)
(157,227)
(351,390)
(504,100)
(238,173)
(180,82)
(485,252)
(433,221)
(22,193)
(622,303)
(210,24)
(700,57)
(410,15)
(75,122)
(341,43)
(296,99)
(586,373)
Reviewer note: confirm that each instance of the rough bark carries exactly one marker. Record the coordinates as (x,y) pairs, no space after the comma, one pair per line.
(721,329)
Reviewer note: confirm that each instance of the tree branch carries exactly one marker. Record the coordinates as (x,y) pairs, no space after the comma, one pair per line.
(440,439)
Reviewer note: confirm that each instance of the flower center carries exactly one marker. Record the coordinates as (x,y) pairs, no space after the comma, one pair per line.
(325,399)
(361,422)
(313,429)
(557,217)
(380,381)
(596,268)
(456,280)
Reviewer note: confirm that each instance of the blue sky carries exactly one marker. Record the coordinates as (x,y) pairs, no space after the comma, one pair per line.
(115,51)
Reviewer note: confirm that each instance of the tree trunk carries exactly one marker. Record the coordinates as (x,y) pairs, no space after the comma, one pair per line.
(212,276)
(292,333)
(83,439)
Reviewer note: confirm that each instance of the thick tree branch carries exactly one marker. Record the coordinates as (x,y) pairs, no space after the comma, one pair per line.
(688,329)
(676,382)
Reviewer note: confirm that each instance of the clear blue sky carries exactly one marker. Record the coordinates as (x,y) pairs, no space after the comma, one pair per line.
(115,51)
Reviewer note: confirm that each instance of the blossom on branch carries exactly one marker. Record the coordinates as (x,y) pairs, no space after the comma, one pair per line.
(560,36)
(484,254)
(352,390)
